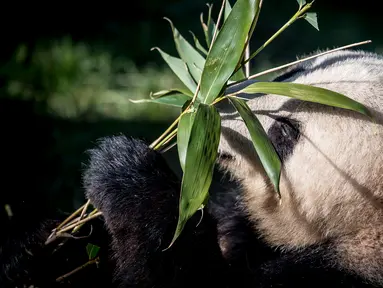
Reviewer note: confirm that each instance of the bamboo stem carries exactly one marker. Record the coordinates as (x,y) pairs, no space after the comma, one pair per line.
(308,58)
(90,217)
(283,28)
(90,262)
(70,217)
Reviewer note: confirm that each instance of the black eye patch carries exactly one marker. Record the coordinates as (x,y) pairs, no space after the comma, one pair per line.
(225,156)
(284,134)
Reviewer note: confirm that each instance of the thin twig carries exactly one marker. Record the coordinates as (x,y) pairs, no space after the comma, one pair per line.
(247,64)
(90,262)
(90,217)
(218,22)
(84,210)
(56,236)
(305,59)
(283,28)
(82,215)
(54,232)
(169,147)
(90,214)
(166,139)
(219,99)
(163,135)
(70,217)
(194,97)
(251,31)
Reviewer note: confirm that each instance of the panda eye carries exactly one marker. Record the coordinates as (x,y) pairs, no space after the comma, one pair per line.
(284,134)
(225,156)
(284,131)
(289,127)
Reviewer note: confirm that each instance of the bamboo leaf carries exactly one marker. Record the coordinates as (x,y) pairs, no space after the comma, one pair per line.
(200,139)
(301,3)
(227,49)
(239,75)
(307,93)
(265,150)
(184,129)
(177,100)
(198,45)
(186,105)
(179,68)
(208,28)
(227,9)
(92,250)
(312,18)
(188,54)
(171,92)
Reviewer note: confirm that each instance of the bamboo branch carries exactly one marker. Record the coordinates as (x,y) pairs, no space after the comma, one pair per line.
(90,262)
(70,217)
(305,59)
(95,215)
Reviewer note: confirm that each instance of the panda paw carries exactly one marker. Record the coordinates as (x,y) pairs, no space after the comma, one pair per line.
(124,172)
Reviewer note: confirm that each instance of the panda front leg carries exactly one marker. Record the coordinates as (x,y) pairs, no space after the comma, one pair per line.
(138,195)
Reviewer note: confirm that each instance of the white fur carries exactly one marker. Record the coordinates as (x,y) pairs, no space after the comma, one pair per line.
(332,185)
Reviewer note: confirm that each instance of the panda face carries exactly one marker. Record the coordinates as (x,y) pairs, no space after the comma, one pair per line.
(332,177)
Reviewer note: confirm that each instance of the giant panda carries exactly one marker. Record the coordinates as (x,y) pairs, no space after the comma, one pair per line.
(327,230)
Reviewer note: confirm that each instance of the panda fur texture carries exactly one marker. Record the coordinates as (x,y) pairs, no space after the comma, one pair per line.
(326,232)
(332,178)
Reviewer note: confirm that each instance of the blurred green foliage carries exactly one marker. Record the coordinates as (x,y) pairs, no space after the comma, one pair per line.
(71,81)
(66,76)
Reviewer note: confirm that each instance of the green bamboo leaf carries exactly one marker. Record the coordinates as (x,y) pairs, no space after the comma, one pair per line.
(204,29)
(265,150)
(179,68)
(227,9)
(176,100)
(239,75)
(301,3)
(200,141)
(188,54)
(227,49)
(200,71)
(186,105)
(92,250)
(198,45)
(312,18)
(171,92)
(183,134)
(209,27)
(307,93)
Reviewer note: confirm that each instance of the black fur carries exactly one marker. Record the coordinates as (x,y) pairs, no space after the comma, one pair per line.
(18,248)
(288,74)
(138,195)
(284,134)
(311,267)
(25,260)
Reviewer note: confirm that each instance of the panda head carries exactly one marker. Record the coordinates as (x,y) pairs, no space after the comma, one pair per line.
(332,162)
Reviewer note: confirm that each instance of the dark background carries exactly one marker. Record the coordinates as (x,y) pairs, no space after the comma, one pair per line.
(67,70)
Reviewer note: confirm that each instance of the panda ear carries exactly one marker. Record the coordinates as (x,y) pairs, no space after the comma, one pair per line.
(284,134)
